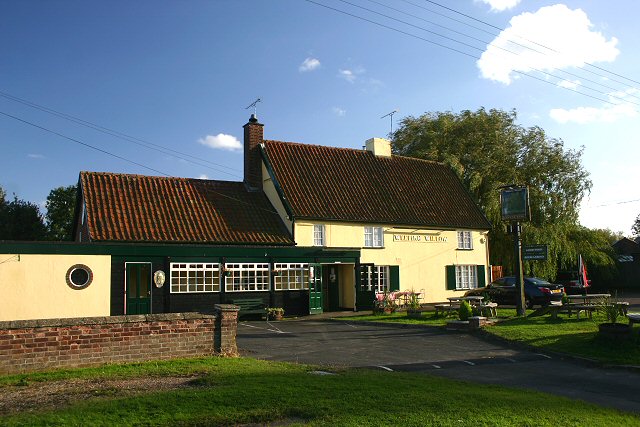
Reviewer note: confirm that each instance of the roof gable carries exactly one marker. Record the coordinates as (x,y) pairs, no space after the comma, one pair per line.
(141,208)
(338,184)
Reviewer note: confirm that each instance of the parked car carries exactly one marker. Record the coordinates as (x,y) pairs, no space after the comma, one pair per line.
(571,282)
(536,291)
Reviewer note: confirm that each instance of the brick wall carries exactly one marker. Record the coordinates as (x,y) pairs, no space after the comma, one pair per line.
(35,345)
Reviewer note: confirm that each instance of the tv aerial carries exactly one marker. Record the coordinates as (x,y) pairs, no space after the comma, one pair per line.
(390,115)
(254,104)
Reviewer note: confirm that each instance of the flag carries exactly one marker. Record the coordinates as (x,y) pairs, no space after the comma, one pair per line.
(582,272)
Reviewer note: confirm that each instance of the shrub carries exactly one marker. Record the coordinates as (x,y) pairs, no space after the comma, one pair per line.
(465,311)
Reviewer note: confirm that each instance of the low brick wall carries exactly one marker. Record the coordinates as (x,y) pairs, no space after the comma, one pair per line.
(35,345)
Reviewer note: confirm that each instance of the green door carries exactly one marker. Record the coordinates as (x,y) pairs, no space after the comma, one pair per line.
(138,285)
(366,290)
(315,289)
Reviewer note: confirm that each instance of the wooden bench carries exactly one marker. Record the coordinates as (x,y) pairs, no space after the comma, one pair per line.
(489,309)
(446,308)
(633,318)
(250,306)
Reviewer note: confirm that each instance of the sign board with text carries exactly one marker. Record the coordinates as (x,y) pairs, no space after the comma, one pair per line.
(534,252)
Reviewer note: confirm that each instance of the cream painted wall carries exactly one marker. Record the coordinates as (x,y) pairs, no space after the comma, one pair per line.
(422,263)
(270,190)
(35,287)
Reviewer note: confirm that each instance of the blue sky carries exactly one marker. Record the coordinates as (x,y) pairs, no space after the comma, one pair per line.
(180,74)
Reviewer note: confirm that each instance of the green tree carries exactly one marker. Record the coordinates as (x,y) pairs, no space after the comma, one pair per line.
(21,220)
(635,228)
(488,149)
(61,204)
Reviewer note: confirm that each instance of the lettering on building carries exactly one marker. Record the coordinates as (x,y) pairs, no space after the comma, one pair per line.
(424,238)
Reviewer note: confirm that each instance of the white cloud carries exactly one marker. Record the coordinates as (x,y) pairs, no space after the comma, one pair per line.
(501,5)
(203,176)
(35,156)
(569,84)
(565,33)
(339,111)
(348,75)
(221,141)
(309,64)
(606,114)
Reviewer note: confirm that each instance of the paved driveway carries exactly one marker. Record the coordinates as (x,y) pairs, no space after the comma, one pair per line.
(437,352)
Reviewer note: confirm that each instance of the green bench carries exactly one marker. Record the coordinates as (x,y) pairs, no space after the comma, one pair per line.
(250,306)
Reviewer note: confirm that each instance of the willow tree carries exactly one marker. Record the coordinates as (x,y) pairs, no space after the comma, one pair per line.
(488,149)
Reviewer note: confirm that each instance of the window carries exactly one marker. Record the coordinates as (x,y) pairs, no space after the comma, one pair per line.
(373,237)
(318,235)
(464,240)
(375,278)
(246,277)
(194,277)
(466,277)
(291,277)
(79,276)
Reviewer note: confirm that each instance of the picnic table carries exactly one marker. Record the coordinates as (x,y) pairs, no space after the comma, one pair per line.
(474,300)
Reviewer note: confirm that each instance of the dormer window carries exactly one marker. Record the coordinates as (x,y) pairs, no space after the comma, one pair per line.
(373,237)
(319,235)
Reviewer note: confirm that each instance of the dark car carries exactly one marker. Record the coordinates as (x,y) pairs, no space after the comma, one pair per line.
(572,283)
(536,291)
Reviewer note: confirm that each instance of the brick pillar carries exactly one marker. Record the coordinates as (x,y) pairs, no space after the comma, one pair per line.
(226,329)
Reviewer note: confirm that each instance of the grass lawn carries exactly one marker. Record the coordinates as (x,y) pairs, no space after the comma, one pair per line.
(243,391)
(566,334)
(570,335)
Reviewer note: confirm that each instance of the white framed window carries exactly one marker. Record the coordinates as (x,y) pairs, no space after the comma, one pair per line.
(376,278)
(373,237)
(187,277)
(291,277)
(246,277)
(319,238)
(466,276)
(464,240)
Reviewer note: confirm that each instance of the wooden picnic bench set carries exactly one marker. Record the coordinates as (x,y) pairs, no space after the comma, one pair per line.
(488,309)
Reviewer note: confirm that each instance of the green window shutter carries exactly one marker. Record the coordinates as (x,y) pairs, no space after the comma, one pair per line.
(451,277)
(394,277)
(481,276)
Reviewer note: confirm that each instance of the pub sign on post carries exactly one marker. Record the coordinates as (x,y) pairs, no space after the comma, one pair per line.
(534,252)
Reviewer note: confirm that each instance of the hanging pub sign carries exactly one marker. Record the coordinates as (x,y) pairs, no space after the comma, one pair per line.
(535,252)
(514,204)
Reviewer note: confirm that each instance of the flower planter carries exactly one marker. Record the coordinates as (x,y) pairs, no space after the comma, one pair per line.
(614,331)
(275,316)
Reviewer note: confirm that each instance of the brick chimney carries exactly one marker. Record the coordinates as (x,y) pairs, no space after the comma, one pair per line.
(253,136)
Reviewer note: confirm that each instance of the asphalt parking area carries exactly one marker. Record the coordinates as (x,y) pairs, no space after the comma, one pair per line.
(438,352)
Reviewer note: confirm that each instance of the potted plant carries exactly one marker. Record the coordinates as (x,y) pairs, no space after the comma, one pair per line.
(610,308)
(413,306)
(274,313)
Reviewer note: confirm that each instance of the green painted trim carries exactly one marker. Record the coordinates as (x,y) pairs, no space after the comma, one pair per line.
(178,250)
(276,184)
(482,281)
(444,227)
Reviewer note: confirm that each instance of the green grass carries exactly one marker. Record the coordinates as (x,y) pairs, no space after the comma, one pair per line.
(570,335)
(242,391)
(566,334)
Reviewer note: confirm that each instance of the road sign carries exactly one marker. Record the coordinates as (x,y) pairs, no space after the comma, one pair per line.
(534,252)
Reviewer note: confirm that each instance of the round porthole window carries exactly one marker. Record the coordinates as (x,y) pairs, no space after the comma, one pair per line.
(79,276)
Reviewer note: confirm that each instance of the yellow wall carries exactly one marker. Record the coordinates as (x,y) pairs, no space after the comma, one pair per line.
(422,264)
(35,287)
(270,190)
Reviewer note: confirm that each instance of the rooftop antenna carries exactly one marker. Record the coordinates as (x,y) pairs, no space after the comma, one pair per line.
(254,104)
(390,115)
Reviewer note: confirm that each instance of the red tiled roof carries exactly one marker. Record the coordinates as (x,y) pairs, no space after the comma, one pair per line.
(338,184)
(180,210)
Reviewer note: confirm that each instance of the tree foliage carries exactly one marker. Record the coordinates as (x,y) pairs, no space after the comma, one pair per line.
(20,220)
(635,228)
(61,204)
(488,149)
